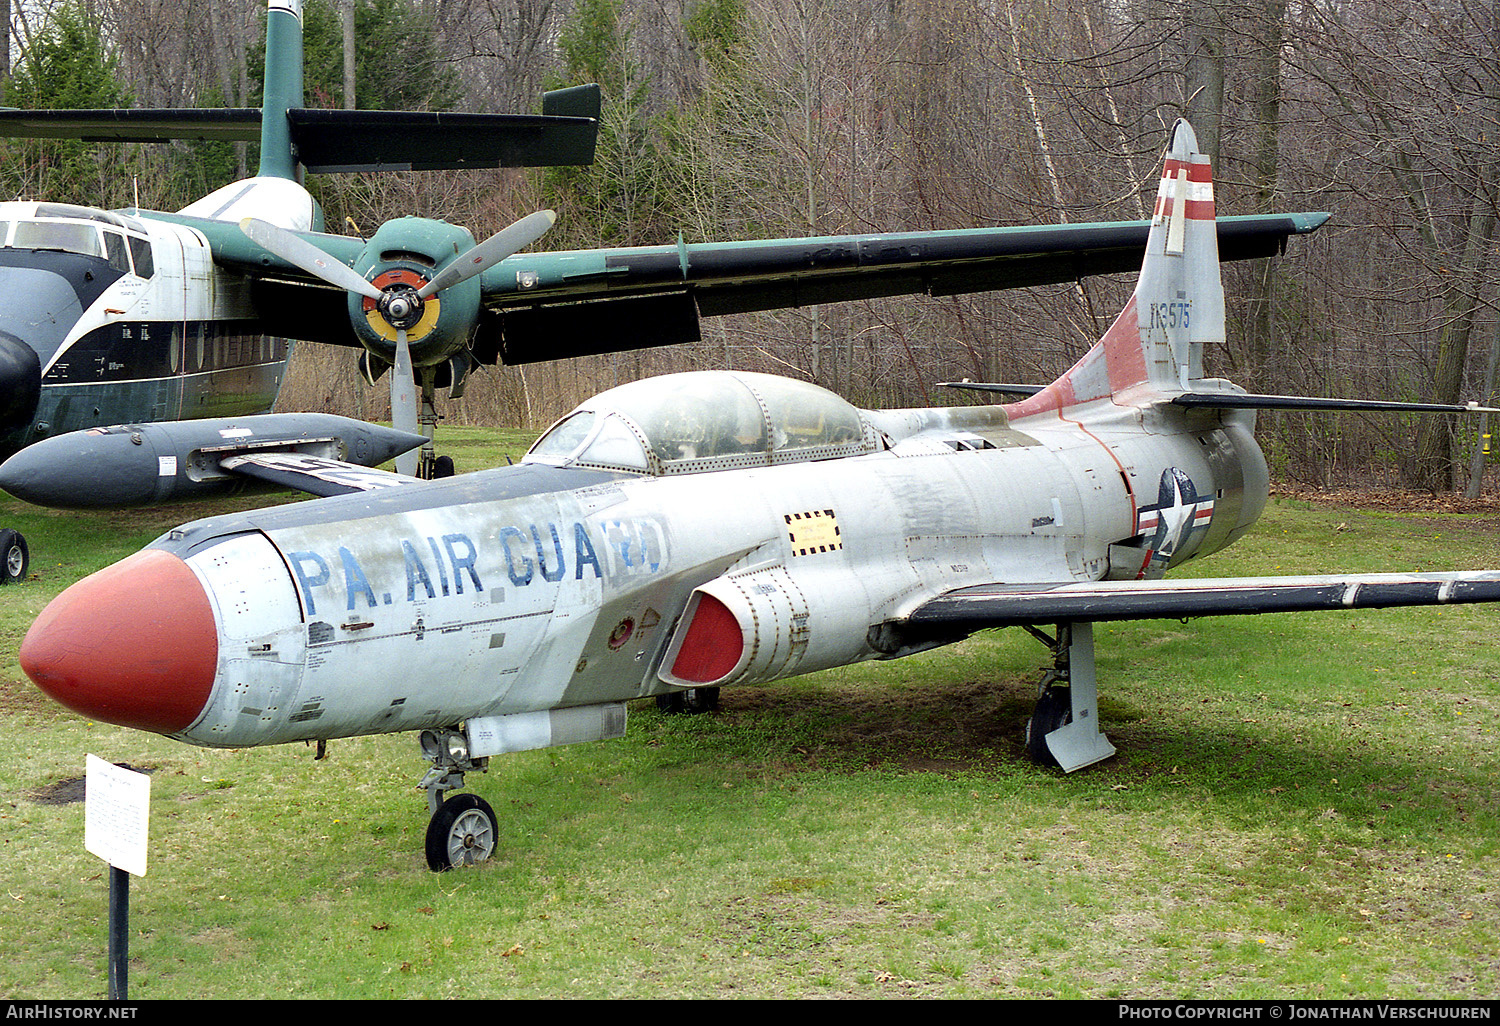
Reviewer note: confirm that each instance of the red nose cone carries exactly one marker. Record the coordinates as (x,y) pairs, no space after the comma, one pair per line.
(134,644)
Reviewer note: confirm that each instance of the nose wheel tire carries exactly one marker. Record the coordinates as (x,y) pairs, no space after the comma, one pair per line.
(461,833)
(15,560)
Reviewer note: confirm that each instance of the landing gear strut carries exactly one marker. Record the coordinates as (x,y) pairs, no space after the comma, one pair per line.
(463,829)
(430,465)
(1064,727)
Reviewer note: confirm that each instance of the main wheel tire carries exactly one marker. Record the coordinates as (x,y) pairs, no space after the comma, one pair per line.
(1054,708)
(461,833)
(693,700)
(15,559)
(702,700)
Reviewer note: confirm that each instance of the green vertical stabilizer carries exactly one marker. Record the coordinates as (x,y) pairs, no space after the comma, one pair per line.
(283,88)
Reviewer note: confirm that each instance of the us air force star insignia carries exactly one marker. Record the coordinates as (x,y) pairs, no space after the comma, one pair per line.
(1170,524)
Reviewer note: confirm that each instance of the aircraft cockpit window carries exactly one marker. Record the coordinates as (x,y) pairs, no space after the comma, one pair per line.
(804,424)
(565,436)
(116,253)
(615,446)
(707,420)
(140,250)
(702,419)
(67,236)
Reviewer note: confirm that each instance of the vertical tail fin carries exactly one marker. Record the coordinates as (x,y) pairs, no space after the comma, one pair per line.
(1156,343)
(282,88)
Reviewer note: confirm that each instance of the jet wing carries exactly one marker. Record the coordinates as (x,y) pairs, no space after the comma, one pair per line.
(315,475)
(966,610)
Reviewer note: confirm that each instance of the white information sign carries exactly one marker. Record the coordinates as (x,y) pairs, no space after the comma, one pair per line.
(117,807)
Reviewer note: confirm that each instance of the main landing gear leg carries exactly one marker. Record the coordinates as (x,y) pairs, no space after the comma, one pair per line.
(1064,729)
(427,461)
(463,829)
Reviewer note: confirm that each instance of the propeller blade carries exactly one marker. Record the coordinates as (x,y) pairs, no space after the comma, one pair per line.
(310,258)
(491,251)
(404,402)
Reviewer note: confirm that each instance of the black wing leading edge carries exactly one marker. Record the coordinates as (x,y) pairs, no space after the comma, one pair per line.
(971,609)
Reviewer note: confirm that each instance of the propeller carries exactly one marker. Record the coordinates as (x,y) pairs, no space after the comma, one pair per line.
(400,304)
(296,250)
(507,241)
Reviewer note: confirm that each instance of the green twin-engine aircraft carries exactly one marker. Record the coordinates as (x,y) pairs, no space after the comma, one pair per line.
(681,534)
(168,331)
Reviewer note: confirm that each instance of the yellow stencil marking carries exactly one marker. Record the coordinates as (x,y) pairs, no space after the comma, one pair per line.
(813,532)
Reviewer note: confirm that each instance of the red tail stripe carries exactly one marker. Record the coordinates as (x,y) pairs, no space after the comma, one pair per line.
(1198,171)
(1196,210)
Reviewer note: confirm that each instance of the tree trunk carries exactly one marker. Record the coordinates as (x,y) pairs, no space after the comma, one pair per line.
(1431,466)
(346,17)
(1203,72)
(1262,345)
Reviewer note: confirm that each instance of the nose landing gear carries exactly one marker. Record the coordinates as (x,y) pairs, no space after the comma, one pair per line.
(15,560)
(463,829)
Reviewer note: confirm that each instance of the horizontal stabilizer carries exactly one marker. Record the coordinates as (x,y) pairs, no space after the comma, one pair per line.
(985,606)
(1243,401)
(375,140)
(1246,401)
(993,386)
(315,475)
(351,140)
(226,124)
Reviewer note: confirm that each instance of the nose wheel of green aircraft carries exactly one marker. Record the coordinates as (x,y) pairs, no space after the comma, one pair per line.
(14,557)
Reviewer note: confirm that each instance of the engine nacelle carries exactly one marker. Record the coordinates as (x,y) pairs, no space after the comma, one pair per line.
(763,624)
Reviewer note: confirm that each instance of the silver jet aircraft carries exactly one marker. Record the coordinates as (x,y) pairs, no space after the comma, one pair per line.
(681,534)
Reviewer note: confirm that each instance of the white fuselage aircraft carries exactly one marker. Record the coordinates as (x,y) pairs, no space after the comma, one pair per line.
(681,534)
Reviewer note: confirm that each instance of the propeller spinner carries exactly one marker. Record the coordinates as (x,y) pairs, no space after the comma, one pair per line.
(395,304)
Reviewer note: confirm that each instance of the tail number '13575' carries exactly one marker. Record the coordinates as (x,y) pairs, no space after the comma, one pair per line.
(1171,315)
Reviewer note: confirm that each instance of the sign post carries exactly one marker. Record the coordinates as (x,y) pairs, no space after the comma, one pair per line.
(117,808)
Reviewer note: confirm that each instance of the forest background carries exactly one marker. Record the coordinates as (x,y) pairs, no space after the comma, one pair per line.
(729,119)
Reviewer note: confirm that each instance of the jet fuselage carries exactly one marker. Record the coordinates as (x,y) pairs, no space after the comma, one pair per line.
(539,587)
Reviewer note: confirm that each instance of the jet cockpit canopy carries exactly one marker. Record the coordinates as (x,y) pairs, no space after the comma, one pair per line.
(702,421)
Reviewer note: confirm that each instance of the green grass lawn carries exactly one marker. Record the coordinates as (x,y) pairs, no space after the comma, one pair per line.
(1302,806)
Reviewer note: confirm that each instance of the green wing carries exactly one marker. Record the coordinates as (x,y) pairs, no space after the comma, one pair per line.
(547,306)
